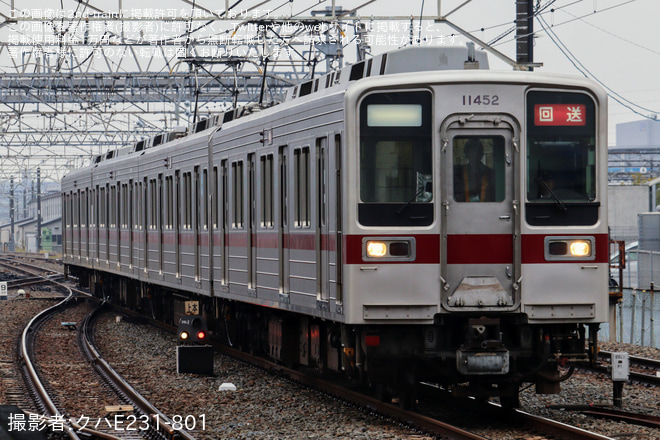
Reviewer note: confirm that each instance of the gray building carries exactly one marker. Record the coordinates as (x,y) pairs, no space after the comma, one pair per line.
(25,230)
(637,151)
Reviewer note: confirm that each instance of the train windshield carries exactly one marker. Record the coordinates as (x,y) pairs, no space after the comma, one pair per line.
(396,174)
(561,159)
(561,170)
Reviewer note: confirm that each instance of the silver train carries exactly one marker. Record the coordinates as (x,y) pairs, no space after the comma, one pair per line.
(408,218)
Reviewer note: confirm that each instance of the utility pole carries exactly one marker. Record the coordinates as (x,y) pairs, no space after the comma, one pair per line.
(525,33)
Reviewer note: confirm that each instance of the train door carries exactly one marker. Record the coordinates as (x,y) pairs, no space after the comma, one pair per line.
(197,222)
(160,212)
(224,230)
(283,230)
(177,222)
(130,203)
(322,221)
(251,225)
(145,225)
(97,219)
(480,228)
(106,232)
(116,219)
(339,245)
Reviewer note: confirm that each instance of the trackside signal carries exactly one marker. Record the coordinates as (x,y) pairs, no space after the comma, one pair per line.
(192,329)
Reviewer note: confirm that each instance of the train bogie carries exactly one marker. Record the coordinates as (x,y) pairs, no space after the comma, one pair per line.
(390,223)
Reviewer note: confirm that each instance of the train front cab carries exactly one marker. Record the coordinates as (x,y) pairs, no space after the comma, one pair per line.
(492,280)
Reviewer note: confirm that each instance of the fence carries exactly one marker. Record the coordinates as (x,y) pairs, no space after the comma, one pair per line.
(637,318)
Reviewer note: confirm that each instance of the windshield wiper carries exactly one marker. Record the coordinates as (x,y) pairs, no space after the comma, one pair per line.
(546,187)
(412,199)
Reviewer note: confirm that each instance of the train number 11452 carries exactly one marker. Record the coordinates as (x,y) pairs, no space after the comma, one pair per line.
(481,100)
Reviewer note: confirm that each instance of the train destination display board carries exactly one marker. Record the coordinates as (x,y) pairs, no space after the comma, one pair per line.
(560,114)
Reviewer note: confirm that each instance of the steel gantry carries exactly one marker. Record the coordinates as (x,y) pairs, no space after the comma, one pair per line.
(83,76)
(79,77)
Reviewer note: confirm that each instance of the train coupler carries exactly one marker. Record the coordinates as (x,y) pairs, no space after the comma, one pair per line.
(470,362)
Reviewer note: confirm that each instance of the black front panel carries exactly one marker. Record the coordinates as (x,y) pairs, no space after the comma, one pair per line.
(561,160)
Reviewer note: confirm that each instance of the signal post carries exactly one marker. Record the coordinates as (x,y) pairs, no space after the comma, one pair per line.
(193,355)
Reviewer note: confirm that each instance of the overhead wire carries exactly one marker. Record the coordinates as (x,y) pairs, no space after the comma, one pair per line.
(588,74)
(612,34)
(543,10)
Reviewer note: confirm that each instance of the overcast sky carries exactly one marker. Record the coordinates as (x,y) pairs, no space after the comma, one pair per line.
(616,41)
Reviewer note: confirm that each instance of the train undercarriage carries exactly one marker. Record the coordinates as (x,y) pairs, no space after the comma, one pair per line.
(470,354)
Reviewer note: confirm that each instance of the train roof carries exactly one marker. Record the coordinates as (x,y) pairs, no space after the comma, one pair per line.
(405,60)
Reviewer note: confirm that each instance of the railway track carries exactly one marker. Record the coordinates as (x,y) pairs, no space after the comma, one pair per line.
(423,422)
(135,418)
(145,412)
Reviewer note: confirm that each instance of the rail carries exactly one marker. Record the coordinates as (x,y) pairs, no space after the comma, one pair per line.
(120,385)
(32,377)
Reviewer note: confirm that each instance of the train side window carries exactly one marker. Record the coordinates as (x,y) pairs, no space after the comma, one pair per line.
(65,207)
(237,195)
(479,168)
(125,200)
(96,206)
(284,195)
(301,184)
(203,187)
(224,178)
(177,200)
(167,203)
(101,195)
(321,147)
(185,202)
(215,206)
(145,204)
(117,205)
(106,201)
(75,210)
(131,205)
(184,190)
(137,203)
(153,204)
(267,212)
(113,206)
(189,200)
(85,207)
(161,201)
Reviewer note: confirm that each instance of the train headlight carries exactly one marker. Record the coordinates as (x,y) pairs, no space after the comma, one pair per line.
(580,248)
(569,248)
(376,249)
(388,248)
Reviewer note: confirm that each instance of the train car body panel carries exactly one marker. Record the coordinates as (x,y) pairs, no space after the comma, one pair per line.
(482,255)
(273,248)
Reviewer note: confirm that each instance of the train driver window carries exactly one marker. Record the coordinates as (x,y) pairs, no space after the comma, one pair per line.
(478,168)
(396,161)
(561,159)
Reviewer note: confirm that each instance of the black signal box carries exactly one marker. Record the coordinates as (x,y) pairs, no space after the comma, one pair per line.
(194,359)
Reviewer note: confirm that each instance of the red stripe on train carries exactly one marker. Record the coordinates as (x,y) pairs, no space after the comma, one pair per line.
(480,249)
